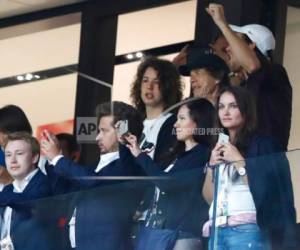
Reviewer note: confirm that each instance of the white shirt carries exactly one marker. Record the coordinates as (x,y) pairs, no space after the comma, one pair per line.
(156,194)
(151,131)
(19,187)
(55,160)
(234,197)
(42,163)
(107,158)
(157,190)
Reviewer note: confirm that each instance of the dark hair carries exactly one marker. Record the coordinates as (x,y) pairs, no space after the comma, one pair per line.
(169,83)
(220,75)
(13,119)
(72,145)
(122,111)
(204,114)
(261,57)
(247,107)
(28,138)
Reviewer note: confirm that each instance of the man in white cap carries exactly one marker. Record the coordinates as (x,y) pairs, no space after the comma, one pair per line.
(247,56)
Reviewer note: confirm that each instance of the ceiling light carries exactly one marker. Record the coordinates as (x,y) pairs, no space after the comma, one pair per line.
(139,54)
(129,56)
(20,78)
(28,77)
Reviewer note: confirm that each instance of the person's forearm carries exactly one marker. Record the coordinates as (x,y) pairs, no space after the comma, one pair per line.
(244,54)
(241,164)
(208,187)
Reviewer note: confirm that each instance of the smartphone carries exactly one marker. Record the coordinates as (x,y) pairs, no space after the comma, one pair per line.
(223,138)
(45,136)
(123,127)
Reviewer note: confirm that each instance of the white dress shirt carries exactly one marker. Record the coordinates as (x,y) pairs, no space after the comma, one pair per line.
(105,159)
(19,187)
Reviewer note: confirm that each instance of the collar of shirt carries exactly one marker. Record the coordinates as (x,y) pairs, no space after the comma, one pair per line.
(106,159)
(19,186)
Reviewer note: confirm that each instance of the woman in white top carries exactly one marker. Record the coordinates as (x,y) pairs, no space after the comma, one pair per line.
(255,196)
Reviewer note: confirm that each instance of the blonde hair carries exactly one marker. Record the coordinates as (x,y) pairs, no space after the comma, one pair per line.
(24,136)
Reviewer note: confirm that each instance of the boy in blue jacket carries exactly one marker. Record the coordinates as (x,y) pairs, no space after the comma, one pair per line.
(18,214)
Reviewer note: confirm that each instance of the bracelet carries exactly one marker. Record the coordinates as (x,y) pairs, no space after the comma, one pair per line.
(207,165)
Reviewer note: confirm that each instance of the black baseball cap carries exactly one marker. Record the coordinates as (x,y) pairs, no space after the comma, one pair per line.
(198,58)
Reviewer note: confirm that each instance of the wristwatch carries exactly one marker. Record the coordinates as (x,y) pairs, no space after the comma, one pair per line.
(241,171)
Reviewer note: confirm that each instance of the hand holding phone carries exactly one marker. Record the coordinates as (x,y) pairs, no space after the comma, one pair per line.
(45,135)
(50,145)
(122,128)
(223,138)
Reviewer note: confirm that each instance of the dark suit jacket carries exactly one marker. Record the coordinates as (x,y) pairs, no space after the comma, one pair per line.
(270,184)
(29,231)
(104,207)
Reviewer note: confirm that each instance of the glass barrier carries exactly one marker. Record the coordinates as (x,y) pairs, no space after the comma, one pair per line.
(257,210)
(109,212)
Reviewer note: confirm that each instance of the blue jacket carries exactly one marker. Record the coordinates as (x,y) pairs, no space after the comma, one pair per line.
(104,207)
(29,231)
(165,140)
(270,184)
(181,204)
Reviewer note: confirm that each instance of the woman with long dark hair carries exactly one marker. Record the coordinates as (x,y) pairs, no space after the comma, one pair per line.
(255,197)
(178,207)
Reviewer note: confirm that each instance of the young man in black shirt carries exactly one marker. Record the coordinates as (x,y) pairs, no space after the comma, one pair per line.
(247,54)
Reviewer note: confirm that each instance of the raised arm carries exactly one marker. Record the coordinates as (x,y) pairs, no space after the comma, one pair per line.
(243,52)
(22,200)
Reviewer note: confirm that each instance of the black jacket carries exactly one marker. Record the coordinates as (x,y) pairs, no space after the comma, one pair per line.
(270,184)
(181,203)
(272,90)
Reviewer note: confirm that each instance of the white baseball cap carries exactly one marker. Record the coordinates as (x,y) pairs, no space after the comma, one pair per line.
(259,34)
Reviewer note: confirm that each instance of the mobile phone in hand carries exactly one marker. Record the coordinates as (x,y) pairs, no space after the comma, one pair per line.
(223,138)
(122,128)
(45,135)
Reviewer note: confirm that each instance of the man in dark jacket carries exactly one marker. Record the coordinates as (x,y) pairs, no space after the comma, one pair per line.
(103,215)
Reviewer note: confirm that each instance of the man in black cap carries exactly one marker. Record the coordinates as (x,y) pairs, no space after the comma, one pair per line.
(208,73)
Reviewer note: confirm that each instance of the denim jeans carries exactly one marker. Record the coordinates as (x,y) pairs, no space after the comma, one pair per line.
(188,244)
(241,237)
